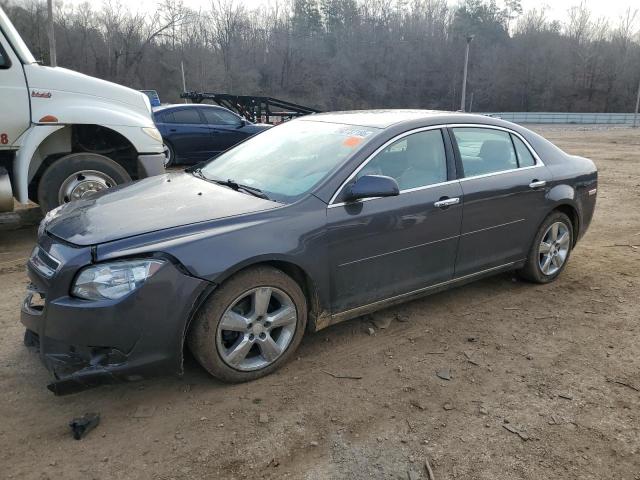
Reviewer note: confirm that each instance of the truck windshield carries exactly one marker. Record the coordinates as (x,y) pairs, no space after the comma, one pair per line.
(14,38)
(287,161)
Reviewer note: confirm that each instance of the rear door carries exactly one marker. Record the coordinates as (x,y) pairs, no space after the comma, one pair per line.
(383,247)
(504,187)
(225,128)
(14,95)
(188,133)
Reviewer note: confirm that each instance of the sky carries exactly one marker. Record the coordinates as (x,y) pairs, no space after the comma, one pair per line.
(556,9)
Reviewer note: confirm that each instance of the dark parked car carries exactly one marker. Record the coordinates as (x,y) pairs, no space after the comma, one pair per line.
(316,221)
(194,133)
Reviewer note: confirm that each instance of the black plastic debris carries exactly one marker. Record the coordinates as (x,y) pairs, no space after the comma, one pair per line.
(82,425)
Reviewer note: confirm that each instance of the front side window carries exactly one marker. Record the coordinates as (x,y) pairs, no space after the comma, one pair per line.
(186,115)
(287,161)
(484,150)
(416,160)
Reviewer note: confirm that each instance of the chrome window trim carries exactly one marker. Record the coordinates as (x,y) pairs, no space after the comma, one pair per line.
(539,162)
(373,155)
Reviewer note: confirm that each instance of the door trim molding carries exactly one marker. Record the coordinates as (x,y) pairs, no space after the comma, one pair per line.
(404,297)
(396,251)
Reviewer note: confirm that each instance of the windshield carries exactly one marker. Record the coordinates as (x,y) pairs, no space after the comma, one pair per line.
(15,39)
(287,161)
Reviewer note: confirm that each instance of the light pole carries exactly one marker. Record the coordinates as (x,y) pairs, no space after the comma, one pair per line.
(463,100)
(53,61)
(635,113)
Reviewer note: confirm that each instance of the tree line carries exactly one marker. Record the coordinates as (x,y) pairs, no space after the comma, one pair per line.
(349,54)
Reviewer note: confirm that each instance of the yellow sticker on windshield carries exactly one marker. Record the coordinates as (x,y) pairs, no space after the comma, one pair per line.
(352,142)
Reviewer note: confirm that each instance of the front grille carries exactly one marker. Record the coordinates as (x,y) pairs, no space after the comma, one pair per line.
(43,262)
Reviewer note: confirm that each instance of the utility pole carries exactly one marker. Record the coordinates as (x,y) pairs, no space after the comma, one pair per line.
(463,100)
(184,83)
(53,61)
(635,113)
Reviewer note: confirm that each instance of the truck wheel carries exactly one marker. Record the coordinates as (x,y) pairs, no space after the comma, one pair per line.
(76,175)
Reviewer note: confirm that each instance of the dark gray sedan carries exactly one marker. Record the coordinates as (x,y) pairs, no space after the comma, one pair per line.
(313,222)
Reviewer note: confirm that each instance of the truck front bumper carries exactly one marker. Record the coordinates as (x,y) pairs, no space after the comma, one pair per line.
(151,164)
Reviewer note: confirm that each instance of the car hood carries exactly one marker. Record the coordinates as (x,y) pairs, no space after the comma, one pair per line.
(152,204)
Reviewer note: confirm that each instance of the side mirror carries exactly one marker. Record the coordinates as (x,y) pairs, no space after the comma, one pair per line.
(242,123)
(370,186)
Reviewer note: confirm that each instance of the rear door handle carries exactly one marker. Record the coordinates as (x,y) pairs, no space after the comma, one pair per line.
(537,184)
(447,202)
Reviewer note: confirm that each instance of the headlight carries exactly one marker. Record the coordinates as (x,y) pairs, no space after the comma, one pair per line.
(113,280)
(153,133)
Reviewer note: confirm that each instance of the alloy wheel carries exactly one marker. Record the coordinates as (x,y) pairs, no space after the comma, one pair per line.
(256,329)
(554,248)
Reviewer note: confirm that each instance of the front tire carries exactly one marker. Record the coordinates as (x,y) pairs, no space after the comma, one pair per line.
(250,326)
(77,175)
(170,153)
(550,250)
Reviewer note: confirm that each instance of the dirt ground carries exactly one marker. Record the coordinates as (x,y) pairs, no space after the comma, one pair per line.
(545,380)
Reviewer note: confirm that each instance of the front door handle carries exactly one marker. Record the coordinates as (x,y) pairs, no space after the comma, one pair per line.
(446,202)
(537,184)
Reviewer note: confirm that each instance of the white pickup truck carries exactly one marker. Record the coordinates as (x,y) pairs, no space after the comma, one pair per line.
(64,135)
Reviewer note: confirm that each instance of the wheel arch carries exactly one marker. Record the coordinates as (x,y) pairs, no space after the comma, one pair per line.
(572,212)
(78,139)
(292,269)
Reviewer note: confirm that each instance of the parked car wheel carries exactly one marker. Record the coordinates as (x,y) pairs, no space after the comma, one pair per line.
(76,175)
(250,325)
(170,154)
(550,250)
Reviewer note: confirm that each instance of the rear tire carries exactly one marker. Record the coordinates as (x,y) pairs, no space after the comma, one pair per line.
(550,250)
(76,175)
(250,326)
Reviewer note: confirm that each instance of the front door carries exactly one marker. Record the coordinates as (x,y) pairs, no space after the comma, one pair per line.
(504,189)
(188,133)
(225,128)
(383,247)
(15,117)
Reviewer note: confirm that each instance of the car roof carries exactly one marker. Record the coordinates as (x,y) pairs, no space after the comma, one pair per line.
(386,118)
(188,105)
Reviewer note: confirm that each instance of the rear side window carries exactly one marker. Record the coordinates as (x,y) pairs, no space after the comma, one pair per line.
(186,115)
(416,160)
(484,150)
(525,159)
(216,116)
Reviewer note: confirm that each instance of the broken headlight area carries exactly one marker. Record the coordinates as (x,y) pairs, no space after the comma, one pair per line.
(113,280)
(34,300)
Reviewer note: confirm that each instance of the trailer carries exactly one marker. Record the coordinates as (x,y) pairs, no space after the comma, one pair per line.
(254,108)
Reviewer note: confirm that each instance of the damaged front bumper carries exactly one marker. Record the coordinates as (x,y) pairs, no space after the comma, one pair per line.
(89,343)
